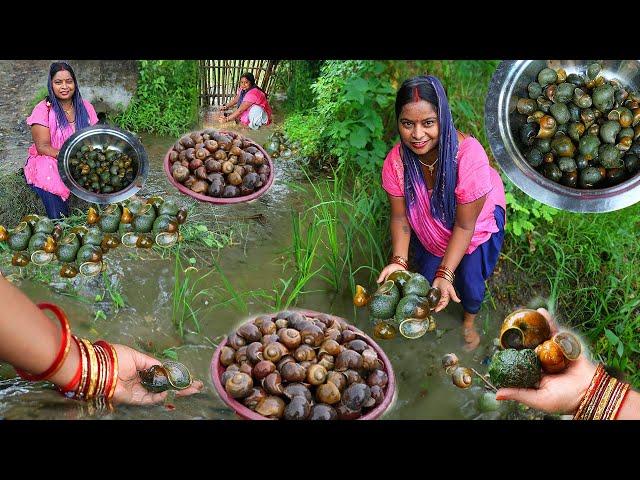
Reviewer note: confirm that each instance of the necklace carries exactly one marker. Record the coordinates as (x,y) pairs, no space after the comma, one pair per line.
(430,167)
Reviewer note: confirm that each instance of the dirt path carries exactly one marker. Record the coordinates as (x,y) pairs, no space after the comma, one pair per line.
(20,80)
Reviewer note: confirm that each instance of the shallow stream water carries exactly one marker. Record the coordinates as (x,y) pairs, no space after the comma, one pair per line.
(253,262)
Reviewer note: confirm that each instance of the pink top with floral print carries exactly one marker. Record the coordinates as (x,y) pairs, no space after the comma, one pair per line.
(42,170)
(475,179)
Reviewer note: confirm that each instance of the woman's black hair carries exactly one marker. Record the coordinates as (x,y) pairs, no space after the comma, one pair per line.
(82,116)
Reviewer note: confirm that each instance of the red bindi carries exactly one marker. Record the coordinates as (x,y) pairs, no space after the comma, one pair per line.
(416,95)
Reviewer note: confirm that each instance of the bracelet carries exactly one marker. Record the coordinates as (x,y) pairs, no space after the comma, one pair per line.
(75,381)
(400,260)
(603,397)
(64,345)
(444,272)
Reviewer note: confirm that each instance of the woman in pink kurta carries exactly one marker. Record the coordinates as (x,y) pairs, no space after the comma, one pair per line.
(52,122)
(447,203)
(253,108)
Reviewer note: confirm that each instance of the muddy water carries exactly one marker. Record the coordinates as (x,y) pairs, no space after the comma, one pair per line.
(253,263)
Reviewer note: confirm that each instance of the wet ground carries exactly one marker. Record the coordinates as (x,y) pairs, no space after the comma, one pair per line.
(261,232)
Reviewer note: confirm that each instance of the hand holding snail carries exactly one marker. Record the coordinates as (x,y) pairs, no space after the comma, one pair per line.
(129,388)
(557,393)
(448,292)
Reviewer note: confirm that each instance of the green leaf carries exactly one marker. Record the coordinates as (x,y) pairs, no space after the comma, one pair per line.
(359,137)
(192,261)
(612,337)
(620,349)
(170,353)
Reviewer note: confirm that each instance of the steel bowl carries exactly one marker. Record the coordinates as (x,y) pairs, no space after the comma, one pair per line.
(104,136)
(221,200)
(502,123)
(390,392)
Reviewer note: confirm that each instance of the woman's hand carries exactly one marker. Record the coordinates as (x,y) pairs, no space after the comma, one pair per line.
(129,389)
(557,393)
(222,119)
(388,270)
(224,107)
(447,292)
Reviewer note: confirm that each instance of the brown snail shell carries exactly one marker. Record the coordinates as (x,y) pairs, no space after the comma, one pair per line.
(312,335)
(68,271)
(449,362)
(297,320)
(241,355)
(327,361)
(321,411)
(377,394)
(227,356)
(297,389)
(369,359)
(328,393)
(272,338)
(569,344)
(331,347)
(353,376)
(345,413)
(263,368)
(338,379)
(267,327)
(356,396)
(250,332)
(298,408)
(293,372)
(254,352)
(304,353)
(239,385)
(361,297)
(50,245)
(384,331)
(379,378)
(307,364)
(357,345)
(316,375)
(551,357)
(228,373)
(271,407)
(256,395)
(236,341)
(274,351)
(273,384)
(20,259)
(333,334)
(246,367)
(524,328)
(282,323)
(462,377)
(290,338)
(284,360)
(348,359)
(348,335)
(92,216)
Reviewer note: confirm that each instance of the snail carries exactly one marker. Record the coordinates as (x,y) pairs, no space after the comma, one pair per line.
(168,376)
(361,297)
(462,377)
(449,362)
(554,355)
(524,328)
(239,385)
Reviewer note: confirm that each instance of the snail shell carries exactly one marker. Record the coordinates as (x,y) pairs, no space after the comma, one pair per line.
(338,379)
(297,389)
(312,335)
(298,409)
(356,396)
(331,347)
(328,393)
(348,335)
(274,351)
(524,328)
(289,337)
(282,323)
(551,357)
(333,334)
(271,407)
(254,352)
(267,327)
(316,374)
(284,360)
(327,361)
(227,356)
(304,353)
(361,297)
(293,372)
(462,377)
(239,385)
(256,395)
(249,332)
(263,368)
(357,345)
(273,384)
(353,376)
(236,341)
(241,355)
(449,362)
(321,411)
(267,339)
(379,378)
(348,359)
(377,394)
(369,359)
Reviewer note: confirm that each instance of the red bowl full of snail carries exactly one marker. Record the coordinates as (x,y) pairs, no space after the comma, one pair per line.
(302,365)
(219,167)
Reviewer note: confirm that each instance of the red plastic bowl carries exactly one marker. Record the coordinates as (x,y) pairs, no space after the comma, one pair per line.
(219,200)
(217,369)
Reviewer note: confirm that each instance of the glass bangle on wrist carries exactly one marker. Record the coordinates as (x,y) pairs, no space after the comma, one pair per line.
(400,260)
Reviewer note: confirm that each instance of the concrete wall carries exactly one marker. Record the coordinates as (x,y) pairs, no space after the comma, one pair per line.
(108,84)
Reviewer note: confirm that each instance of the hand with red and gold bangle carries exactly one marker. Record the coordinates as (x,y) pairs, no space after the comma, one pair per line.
(581,390)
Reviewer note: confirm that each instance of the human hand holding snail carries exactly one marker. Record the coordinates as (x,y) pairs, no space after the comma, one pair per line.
(557,393)
(448,292)
(388,270)
(129,389)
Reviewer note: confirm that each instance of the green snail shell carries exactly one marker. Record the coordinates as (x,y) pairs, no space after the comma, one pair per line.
(588,146)
(609,130)
(609,156)
(603,97)
(547,76)
(560,112)
(564,92)
(593,70)
(168,376)
(534,89)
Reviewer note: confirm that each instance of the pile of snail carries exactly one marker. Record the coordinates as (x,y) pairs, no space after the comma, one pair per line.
(527,350)
(134,223)
(405,302)
(102,171)
(168,376)
(278,145)
(219,164)
(581,130)
(293,367)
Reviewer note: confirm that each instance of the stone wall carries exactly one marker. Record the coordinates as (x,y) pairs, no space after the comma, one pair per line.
(108,84)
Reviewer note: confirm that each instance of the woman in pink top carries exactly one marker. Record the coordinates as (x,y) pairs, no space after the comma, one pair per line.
(52,121)
(447,203)
(253,108)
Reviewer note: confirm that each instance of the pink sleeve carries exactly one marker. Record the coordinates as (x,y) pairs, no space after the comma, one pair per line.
(389,177)
(474,173)
(252,96)
(93,117)
(40,115)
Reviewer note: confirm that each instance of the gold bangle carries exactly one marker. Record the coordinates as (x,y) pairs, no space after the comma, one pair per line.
(615,395)
(618,404)
(93,369)
(604,401)
(594,401)
(102,366)
(85,370)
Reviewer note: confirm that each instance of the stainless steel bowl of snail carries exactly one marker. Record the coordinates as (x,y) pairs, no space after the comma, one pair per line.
(567,132)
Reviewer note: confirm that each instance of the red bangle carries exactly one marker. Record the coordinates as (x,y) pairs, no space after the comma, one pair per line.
(64,345)
(111,380)
(73,384)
